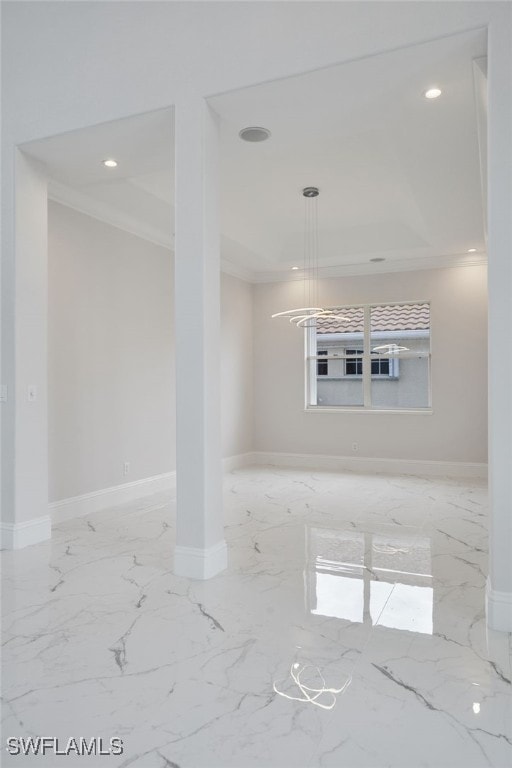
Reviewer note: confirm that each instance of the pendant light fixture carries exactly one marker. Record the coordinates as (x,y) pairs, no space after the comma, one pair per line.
(389,349)
(308,315)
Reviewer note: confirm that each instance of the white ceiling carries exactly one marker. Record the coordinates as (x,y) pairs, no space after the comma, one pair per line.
(398,175)
(143,145)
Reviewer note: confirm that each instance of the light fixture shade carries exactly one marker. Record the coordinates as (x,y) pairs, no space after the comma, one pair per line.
(389,349)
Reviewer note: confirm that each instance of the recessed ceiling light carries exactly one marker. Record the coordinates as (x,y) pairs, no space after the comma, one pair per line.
(378,258)
(254,133)
(110,163)
(471,250)
(432,93)
(294,267)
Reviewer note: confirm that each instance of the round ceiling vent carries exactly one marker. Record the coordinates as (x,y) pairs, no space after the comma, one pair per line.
(254,134)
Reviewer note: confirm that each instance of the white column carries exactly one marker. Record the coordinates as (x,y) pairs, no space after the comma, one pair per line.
(499,585)
(25,518)
(200,547)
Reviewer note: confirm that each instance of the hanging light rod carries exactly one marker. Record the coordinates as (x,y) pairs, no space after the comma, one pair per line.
(306,317)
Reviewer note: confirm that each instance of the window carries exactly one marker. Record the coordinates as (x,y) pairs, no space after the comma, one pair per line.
(376,356)
(354,363)
(328,363)
(322,365)
(381,367)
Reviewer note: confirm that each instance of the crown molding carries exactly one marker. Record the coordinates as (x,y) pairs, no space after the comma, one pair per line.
(398,265)
(83,203)
(79,201)
(236,270)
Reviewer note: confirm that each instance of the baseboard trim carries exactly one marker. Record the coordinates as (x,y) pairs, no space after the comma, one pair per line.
(363,464)
(19,535)
(194,563)
(87,503)
(498,606)
(240,460)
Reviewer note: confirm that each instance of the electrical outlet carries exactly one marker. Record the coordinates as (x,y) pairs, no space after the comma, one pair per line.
(355,446)
(126,468)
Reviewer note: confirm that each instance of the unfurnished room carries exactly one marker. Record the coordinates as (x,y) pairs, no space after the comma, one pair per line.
(255,393)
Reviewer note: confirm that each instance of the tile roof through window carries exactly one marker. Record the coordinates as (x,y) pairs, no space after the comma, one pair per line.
(391,317)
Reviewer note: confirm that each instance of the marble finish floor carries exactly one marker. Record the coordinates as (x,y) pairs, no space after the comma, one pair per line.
(349,630)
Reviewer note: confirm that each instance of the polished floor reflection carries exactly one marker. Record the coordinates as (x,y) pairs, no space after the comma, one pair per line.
(349,630)
(370,572)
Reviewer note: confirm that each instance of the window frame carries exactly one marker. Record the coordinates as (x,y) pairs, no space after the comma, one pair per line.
(310,347)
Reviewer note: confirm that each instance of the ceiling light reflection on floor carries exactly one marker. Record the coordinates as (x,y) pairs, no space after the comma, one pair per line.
(322,696)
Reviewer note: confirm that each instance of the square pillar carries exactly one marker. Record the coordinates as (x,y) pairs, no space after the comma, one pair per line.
(200,547)
(499,583)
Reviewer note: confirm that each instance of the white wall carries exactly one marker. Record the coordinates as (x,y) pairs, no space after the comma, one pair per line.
(457,429)
(111,363)
(28,420)
(111,379)
(237,365)
(111,357)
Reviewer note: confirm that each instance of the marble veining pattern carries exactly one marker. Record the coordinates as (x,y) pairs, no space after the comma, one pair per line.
(349,630)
